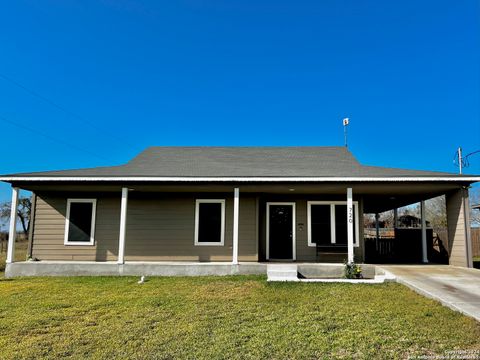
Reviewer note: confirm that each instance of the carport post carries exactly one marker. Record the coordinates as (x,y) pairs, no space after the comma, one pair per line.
(236,200)
(350,224)
(123,227)
(424,232)
(12,232)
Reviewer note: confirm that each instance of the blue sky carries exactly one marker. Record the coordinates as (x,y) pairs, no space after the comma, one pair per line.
(105,79)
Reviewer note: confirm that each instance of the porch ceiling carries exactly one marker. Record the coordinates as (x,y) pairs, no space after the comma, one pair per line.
(378,196)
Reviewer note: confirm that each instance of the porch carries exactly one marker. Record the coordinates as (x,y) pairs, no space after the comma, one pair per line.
(158,226)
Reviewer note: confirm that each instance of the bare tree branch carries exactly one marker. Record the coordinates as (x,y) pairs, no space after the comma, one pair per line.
(23,212)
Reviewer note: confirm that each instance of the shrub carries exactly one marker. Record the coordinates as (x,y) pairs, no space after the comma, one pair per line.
(352,271)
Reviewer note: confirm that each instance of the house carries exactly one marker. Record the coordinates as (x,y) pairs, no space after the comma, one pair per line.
(221,210)
(410,221)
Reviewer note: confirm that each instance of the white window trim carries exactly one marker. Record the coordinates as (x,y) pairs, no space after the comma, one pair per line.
(222,230)
(294,234)
(332,220)
(67,222)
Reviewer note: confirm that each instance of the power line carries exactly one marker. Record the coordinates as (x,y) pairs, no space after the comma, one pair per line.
(57,106)
(463,161)
(78,148)
(466,158)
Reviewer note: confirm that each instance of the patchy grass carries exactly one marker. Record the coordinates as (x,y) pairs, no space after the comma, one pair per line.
(222,317)
(20,254)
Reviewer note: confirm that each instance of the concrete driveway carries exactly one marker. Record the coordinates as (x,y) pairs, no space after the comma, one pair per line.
(455,287)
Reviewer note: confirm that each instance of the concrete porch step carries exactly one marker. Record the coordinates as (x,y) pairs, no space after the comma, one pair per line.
(282,272)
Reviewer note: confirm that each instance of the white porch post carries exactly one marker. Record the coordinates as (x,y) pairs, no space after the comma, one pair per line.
(350,224)
(236,211)
(12,232)
(424,232)
(123,227)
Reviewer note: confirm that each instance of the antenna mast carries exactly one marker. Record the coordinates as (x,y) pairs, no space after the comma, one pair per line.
(345,124)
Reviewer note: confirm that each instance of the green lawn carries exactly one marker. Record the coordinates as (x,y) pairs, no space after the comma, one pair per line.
(222,317)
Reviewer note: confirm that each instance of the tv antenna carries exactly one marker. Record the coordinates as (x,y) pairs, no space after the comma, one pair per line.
(345,124)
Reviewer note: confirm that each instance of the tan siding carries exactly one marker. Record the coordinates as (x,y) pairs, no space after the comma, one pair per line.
(159,227)
(304,252)
(49,231)
(360,251)
(163,228)
(247,232)
(457,233)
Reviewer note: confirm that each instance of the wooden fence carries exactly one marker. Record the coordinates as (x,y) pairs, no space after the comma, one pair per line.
(475,241)
(441,235)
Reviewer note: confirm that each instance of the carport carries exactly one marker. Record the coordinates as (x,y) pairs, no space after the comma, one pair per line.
(418,245)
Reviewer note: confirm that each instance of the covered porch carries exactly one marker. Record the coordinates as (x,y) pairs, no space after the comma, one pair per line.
(259,222)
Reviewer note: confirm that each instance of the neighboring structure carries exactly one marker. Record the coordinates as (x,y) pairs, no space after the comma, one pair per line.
(410,221)
(222,205)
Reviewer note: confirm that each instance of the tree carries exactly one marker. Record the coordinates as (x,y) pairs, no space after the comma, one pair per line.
(387,218)
(23,212)
(436,212)
(474,200)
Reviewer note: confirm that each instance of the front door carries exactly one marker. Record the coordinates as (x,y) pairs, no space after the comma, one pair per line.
(281,231)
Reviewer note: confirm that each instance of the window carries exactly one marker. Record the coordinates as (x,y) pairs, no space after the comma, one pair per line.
(80,222)
(209,222)
(320,224)
(327,223)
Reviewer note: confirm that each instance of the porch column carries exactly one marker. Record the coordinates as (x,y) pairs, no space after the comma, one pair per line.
(458,223)
(395,218)
(123,227)
(12,232)
(377,230)
(424,232)
(236,211)
(350,224)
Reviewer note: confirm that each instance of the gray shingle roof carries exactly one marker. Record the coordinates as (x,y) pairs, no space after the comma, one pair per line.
(334,161)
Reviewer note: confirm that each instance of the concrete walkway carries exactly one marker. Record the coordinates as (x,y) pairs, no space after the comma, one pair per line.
(457,288)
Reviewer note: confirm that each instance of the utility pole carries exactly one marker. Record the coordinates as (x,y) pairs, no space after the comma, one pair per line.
(463,161)
(460,159)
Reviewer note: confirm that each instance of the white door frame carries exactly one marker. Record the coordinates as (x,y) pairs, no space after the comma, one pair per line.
(294,242)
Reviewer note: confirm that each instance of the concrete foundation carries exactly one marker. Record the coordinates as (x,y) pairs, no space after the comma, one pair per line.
(88,268)
(91,268)
(331,271)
